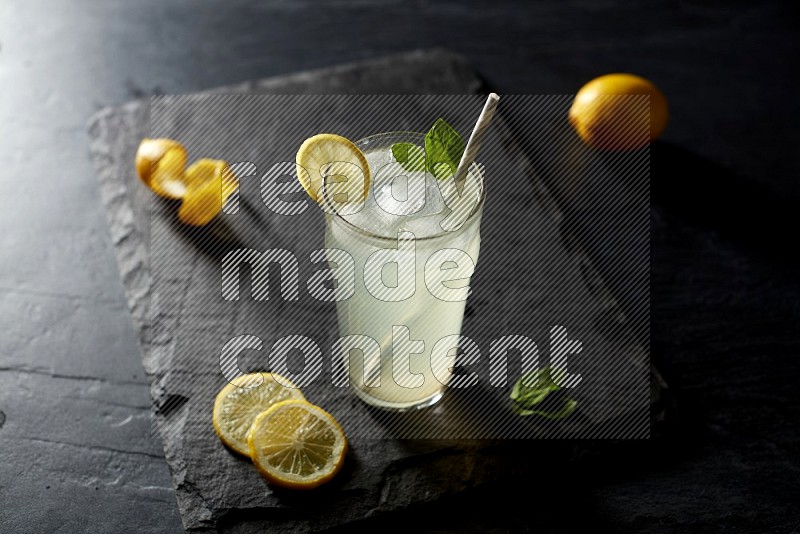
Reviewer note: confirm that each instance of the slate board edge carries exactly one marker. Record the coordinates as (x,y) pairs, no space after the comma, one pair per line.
(132,244)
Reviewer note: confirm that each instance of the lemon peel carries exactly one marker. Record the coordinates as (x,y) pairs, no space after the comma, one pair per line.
(209,182)
(160,164)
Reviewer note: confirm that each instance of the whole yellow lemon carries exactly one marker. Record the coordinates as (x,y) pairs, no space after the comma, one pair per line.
(606,120)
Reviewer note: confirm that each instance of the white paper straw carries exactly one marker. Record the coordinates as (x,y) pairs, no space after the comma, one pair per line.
(471,150)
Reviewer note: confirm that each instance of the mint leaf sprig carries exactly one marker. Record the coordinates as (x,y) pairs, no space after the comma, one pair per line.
(441,155)
(410,156)
(533,388)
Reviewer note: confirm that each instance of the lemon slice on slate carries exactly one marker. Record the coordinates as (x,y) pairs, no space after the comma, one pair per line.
(239,402)
(297,445)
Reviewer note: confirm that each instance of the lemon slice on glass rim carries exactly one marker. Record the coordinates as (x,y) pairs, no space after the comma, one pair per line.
(240,401)
(297,445)
(332,160)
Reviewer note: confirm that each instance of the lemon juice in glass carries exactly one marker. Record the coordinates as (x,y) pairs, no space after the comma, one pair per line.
(414,240)
(391,243)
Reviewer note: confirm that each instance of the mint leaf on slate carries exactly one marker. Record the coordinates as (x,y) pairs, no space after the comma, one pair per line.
(533,388)
(568,408)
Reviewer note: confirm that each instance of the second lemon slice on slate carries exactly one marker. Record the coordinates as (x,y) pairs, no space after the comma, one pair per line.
(297,445)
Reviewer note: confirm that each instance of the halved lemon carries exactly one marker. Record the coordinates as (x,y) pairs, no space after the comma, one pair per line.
(607,115)
(332,159)
(297,445)
(239,402)
(160,164)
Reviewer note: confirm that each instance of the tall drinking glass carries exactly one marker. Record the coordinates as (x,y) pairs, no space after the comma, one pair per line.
(399,324)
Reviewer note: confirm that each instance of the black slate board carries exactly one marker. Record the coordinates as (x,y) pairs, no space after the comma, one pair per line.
(214,488)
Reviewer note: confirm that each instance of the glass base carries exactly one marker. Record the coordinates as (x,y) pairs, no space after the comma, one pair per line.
(398,406)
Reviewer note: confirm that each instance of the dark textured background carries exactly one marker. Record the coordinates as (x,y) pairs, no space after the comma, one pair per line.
(75,448)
